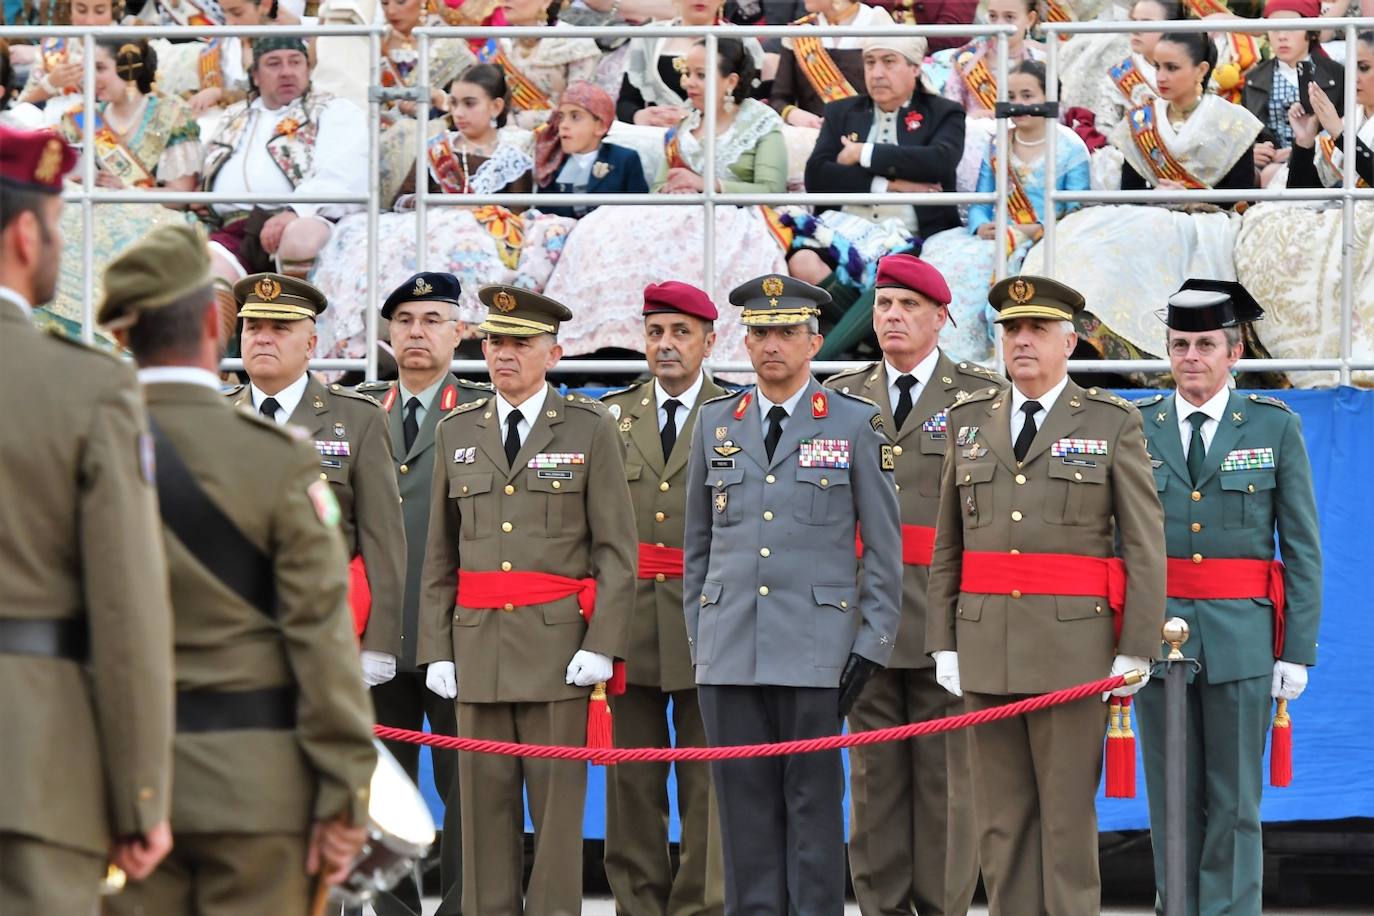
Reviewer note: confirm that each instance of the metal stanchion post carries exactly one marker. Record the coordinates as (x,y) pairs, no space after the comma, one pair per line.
(1175,769)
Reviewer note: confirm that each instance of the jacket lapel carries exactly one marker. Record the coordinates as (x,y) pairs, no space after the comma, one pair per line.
(1225,438)
(489,435)
(935,396)
(594,181)
(746,433)
(312,413)
(682,449)
(541,431)
(644,428)
(1164,439)
(997,434)
(424,437)
(800,425)
(395,424)
(875,389)
(1062,419)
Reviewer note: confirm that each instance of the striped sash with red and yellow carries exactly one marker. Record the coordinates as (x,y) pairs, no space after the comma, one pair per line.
(208,63)
(1059,12)
(524,94)
(1151,146)
(978,78)
(1127,77)
(819,67)
(1328,150)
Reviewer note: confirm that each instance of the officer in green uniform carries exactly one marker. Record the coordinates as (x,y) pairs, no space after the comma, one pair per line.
(1045,468)
(1232,472)
(656,421)
(85,622)
(422,314)
(273,753)
(912,843)
(527,588)
(349,431)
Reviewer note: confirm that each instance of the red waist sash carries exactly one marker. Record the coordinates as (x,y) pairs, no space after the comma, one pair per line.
(659,561)
(359,594)
(918,545)
(1017,574)
(1221,579)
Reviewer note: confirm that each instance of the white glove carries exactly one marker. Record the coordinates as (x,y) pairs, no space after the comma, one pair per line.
(947,671)
(1125,663)
(378,667)
(442,678)
(1290,680)
(588,668)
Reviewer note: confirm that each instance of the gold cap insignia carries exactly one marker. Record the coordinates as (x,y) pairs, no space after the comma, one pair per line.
(772,286)
(267,289)
(49,163)
(1021,291)
(504,301)
(421,288)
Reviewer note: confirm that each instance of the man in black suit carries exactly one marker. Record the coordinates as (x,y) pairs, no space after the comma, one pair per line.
(897,137)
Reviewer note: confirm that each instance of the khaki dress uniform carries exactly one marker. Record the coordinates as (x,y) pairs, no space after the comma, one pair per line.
(85,621)
(659,671)
(403,701)
(912,842)
(1084,482)
(562,507)
(274,731)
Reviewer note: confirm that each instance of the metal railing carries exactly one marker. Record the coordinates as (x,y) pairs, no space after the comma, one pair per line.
(89,195)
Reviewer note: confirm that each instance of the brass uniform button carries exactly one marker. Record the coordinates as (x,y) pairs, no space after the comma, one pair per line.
(464,489)
(557,485)
(968,477)
(1098,608)
(764,552)
(507,527)
(1020,479)
(405,469)
(770,479)
(825,481)
(767,516)
(1195,527)
(1196,496)
(1250,487)
(324,476)
(763,590)
(1016,515)
(663,487)
(897,450)
(1015,552)
(146,794)
(509,607)
(659,516)
(1197,558)
(844,605)
(659,577)
(660,544)
(505,566)
(510,490)
(1016,593)
(1077,475)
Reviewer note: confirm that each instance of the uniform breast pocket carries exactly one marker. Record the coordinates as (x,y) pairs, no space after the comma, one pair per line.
(1077,492)
(1247,498)
(975,493)
(562,489)
(634,471)
(726,506)
(823,496)
(928,471)
(475,508)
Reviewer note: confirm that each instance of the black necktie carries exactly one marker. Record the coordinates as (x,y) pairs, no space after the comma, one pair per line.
(410,426)
(1197,450)
(268,408)
(1023,441)
(512,436)
(668,434)
(776,415)
(906,383)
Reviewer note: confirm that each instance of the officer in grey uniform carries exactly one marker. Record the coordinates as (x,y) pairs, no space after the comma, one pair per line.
(783,630)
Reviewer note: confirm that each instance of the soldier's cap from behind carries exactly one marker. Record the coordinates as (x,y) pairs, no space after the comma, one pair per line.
(34,160)
(1210,305)
(777,300)
(676,296)
(1028,296)
(161,269)
(424,287)
(278,298)
(906,271)
(516,312)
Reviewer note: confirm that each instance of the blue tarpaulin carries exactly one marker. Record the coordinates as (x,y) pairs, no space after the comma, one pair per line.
(1333,742)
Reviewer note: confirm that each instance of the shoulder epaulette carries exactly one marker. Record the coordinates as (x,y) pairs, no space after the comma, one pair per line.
(835,379)
(464,408)
(1107,397)
(968,368)
(336,388)
(977,394)
(1271,401)
(1147,402)
(81,345)
(290,432)
(232,391)
(586,403)
(475,386)
(369,387)
(617,392)
(867,402)
(722,397)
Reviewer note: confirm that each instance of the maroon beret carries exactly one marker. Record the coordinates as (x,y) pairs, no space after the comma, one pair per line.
(1305,9)
(675,296)
(910,272)
(34,160)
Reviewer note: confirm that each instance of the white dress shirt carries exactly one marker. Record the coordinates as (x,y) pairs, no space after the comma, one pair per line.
(179,375)
(788,405)
(577,169)
(12,295)
(1018,419)
(338,163)
(687,399)
(426,399)
(287,398)
(529,412)
(1215,408)
(922,373)
(884,130)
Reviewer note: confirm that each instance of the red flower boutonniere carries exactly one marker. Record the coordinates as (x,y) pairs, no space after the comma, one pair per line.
(913,120)
(288,128)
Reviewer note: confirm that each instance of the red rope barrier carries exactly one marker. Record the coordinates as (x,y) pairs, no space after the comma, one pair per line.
(743,751)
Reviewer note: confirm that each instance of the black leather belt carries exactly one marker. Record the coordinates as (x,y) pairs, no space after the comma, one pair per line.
(221,711)
(47,638)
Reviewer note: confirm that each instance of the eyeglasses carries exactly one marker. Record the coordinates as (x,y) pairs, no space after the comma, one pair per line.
(429,323)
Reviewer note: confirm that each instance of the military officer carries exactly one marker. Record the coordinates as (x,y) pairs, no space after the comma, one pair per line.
(425,329)
(1046,468)
(349,432)
(527,585)
(783,627)
(656,421)
(273,753)
(85,619)
(912,843)
(1232,472)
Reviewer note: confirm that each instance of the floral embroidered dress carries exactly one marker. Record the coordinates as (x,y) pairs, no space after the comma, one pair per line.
(972,83)
(650,244)
(161,145)
(537,71)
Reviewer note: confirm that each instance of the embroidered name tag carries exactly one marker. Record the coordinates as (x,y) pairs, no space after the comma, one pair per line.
(554,459)
(937,426)
(722,462)
(554,475)
(824,453)
(336,448)
(1248,459)
(1064,447)
(332,463)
